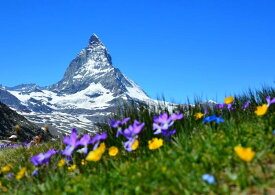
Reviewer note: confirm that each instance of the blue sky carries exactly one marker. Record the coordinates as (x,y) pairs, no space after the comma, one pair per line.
(176,48)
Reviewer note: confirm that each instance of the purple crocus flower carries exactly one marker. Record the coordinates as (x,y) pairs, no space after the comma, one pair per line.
(9,176)
(38,159)
(84,141)
(71,143)
(167,134)
(208,178)
(128,144)
(269,100)
(163,122)
(205,111)
(116,124)
(230,107)
(35,172)
(97,138)
(213,118)
(133,130)
(246,104)
(220,106)
(43,158)
(176,116)
(131,134)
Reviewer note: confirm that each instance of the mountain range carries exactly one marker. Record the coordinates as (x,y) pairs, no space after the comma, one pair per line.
(89,91)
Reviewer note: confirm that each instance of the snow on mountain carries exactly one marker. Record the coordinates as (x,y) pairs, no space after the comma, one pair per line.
(88,92)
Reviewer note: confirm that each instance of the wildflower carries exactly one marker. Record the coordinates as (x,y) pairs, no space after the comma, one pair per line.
(96,154)
(113,151)
(270,101)
(246,104)
(9,176)
(4,189)
(35,172)
(135,145)
(61,163)
(220,106)
(6,168)
(102,147)
(245,154)
(198,115)
(21,173)
(131,134)
(72,167)
(132,130)
(213,118)
(230,107)
(167,134)
(97,138)
(43,158)
(84,141)
(71,143)
(68,159)
(118,124)
(261,110)
(208,178)
(83,162)
(229,100)
(163,122)
(155,143)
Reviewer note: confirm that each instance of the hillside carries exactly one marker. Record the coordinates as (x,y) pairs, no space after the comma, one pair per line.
(227,149)
(27,130)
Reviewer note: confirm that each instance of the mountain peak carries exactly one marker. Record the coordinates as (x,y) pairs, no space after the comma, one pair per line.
(94,39)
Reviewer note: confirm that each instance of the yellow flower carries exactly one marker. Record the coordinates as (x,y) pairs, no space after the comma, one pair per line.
(83,162)
(94,155)
(4,189)
(198,115)
(245,154)
(21,173)
(61,163)
(71,168)
(135,145)
(261,110)
(113,151)
(155,143)
(102,147)
(6,168)
(228,100)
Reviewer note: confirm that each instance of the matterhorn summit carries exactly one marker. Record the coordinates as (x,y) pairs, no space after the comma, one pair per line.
(90,90)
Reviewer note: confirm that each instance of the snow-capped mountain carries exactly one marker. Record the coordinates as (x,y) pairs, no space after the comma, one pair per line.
(89,91)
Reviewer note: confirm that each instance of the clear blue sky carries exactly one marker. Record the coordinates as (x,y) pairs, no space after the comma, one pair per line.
(177,48)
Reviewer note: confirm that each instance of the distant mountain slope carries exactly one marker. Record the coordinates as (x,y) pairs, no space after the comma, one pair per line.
(9,119)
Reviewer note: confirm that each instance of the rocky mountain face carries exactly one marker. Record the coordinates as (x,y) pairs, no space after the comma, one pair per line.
(88,92)
(9,119)
(93,65)
(9,99)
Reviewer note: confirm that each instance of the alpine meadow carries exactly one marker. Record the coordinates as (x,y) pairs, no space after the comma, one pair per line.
(137,97)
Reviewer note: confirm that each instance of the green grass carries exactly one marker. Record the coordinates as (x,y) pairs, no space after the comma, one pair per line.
(175,168)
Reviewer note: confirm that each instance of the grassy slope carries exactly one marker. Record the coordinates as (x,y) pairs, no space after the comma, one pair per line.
(176,168)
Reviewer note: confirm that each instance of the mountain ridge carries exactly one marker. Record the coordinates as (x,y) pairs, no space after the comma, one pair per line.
(89,91)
